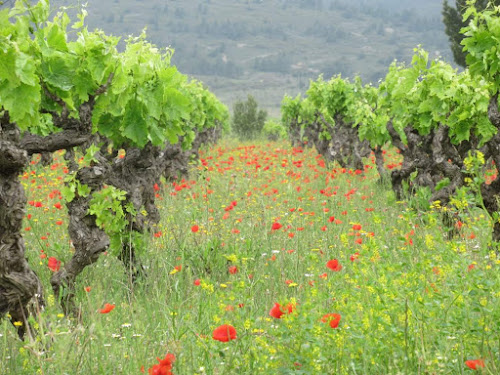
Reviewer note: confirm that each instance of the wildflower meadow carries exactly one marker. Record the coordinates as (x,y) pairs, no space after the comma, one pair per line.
(137,237)
(267,260)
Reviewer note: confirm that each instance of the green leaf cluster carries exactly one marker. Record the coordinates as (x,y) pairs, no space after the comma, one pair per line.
(274,130)
(73,188)
(148,99)
(481,43)
(107,205)
(296,110)
(423,96)
(352,101)
(207,111)
(428,94)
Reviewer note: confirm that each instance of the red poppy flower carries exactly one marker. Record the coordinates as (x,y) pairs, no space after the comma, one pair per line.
(332,319)
(164,366)
(58,205)
(232,270)
(356,227)
(156,187)
(354,256)
(334,265)
(107,308)
(224,333)
(276,312)
(197,282)
(54,264)
(276,226)
(195,228)
(290,308)
(88,289)
(474,363)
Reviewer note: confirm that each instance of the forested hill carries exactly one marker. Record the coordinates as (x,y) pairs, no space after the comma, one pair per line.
(269,47)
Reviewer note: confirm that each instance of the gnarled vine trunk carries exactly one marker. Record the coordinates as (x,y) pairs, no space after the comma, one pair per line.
(136,174)
(19,285)
(20,288)
(379,162)
(88,239)
(294,133)
(343,145)
(491,193)
(431,158)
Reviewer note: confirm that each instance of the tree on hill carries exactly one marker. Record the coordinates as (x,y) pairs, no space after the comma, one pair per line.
(453,21)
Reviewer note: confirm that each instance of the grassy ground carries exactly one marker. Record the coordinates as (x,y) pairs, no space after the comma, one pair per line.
(410,300)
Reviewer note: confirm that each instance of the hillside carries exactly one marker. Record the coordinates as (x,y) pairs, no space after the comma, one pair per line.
(269,47)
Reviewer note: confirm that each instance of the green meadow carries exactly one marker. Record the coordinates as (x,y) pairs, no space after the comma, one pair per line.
(365,284)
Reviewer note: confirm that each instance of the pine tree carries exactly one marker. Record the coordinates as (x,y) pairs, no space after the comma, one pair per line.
(453,21)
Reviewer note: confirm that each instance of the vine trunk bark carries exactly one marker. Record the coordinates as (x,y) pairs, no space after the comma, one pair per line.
(20,287)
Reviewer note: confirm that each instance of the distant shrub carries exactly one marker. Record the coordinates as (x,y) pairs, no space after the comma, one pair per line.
(274,130)
(248,120)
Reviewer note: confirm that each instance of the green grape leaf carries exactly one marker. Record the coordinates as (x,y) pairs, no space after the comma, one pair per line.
(25,69)
(485,128)
(22,102)
(68,192)
(83,190)
(56,38)
(57,73)
(156,135)
(442,184)
(134,125)
(8,68)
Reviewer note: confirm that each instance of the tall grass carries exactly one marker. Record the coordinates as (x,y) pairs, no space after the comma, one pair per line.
(411,300)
